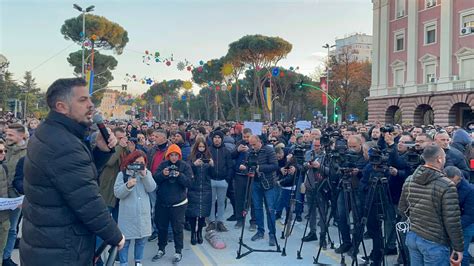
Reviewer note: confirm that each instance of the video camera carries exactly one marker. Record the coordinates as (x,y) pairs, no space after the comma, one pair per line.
(299,153)
(348,163)
(387,129)
(252,163)
(413,155)
(378,158)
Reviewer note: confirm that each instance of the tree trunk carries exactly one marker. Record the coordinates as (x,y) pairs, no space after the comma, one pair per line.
(237,110)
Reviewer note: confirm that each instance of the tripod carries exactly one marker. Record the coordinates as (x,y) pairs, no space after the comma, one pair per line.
(378,190)
(350,204)
(248,198)
(287,230)
(324,222)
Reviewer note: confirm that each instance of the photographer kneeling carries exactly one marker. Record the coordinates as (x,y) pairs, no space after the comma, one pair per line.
(173,177)
(132,186)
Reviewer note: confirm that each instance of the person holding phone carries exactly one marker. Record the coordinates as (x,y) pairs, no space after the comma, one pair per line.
(200,192)
(132,186)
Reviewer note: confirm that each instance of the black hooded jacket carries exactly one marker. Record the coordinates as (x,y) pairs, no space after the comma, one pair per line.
(63,210)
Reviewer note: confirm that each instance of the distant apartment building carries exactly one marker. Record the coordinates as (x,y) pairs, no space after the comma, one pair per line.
(111,106)
(423,62)
(358,46)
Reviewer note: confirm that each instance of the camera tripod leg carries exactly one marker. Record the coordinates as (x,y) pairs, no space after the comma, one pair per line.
(298,253)
(244,216)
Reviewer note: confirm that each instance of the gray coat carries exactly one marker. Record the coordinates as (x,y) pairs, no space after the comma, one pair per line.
(134,218)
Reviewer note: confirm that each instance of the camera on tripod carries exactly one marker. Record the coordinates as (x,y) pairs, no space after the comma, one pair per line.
(349,163)
(378,158)
(252,163)
(298,154)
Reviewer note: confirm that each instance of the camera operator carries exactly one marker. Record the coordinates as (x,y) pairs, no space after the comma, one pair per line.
(173,177)
(263,163)
(383,165)
(297,153)
(313,160)
(356,163)
(240,179)
(285,176)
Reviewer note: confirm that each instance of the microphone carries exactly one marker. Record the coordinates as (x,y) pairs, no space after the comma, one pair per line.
(99,121)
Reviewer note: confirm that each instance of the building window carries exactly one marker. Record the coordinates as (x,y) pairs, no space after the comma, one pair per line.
(400,8)
(398,71)
(399,77)
(465,59)
(429,63)
(430,73)
(399,41)
(467,23)
(430,3)
(430,33)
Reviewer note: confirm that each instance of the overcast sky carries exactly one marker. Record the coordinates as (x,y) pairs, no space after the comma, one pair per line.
(189,29)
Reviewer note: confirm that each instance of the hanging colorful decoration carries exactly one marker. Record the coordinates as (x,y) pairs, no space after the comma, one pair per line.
(276,71)
(183,98)
(227,69)
(158,99)
(187,85)
(180,66)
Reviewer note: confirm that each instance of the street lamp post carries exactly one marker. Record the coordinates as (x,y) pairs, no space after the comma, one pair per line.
(83,11)
(327,46)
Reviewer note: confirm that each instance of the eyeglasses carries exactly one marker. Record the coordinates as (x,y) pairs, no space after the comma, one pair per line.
(3,151)
(273,140)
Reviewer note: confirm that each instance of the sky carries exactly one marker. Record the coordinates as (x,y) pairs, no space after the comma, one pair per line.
(192,30)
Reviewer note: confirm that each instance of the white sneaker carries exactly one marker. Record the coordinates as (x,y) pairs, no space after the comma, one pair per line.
(138,264)
(177,257)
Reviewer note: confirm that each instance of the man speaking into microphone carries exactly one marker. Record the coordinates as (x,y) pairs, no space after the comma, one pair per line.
(63,210)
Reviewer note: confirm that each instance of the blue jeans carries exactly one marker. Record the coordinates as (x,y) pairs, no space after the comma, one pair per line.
(468,235)
(425,252)
(271,197)
(139,250)
(283,201)
(12,233)
(342,223)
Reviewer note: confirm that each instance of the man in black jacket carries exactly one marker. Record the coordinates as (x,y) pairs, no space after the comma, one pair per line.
(240,180)
(263,187)
(220,178)
(63,210)
(453,156)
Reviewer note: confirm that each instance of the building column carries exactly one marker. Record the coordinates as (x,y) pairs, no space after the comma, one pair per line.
(412,46)
(375,48)
(383,46)
(446,41)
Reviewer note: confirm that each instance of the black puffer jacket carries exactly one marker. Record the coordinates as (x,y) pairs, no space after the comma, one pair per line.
(172,190)
(267,165)
(200,192)
(223,164)
(455,158)
(63,210)
(431,201)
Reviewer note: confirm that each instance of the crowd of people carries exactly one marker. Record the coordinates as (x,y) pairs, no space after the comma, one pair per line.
(151,180)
